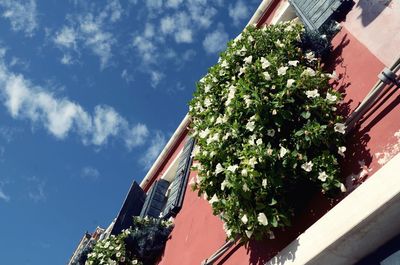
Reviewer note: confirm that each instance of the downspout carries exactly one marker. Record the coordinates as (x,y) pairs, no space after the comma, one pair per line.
(386,77)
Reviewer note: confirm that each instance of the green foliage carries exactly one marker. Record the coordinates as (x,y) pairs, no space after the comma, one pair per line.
(265,121)
(141,244)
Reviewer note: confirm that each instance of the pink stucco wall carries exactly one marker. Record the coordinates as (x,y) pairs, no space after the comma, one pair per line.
(197,233)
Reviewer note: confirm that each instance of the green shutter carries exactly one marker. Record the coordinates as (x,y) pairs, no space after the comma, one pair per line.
(155,199)
(178,185)
(315,13)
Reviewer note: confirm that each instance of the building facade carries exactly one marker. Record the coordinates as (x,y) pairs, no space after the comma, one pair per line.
(361,226)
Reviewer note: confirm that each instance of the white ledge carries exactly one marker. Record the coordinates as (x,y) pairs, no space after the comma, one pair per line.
(358,225)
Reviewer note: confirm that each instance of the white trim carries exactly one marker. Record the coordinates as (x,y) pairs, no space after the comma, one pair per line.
(358,225)
(284,12)
(164,154)
(264,6)
(170,172)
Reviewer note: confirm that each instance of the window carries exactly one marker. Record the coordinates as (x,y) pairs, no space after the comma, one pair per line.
(165,197)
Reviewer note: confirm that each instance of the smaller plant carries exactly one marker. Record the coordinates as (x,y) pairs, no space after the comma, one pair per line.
(148,237)
(141,244)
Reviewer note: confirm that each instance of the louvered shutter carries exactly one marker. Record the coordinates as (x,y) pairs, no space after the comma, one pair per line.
(178,185)
(132,206)
(315,13)
(155,199)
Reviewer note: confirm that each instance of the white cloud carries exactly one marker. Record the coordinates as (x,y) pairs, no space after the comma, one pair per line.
(173,3)
(216,40)
(61,116)
(167,25)
(89,31)
(156,78)
(66,37)
(21,14)
(156,146)
(4,196)
(146,49)
(89,172)
(154,4)
(184,36)
(36,190)
(238,12)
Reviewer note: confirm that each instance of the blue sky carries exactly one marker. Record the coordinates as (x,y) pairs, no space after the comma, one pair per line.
(90,91)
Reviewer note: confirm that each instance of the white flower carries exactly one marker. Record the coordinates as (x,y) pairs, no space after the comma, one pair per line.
(245,187)
(231,95)
(274,112)
(223,184)
(264,63)
(192,182)
(134,262)
(264,183)
(118,254)
(307,166)
(247,100)
(332,76)
(267,76)
(252,162)
(282,152)
(107,244)
(250,126)
(271,132)
(342,187)
(341,150)
(213,199)
(330,97)
(244,172)
(248,59)
(262,219)
(308,72)
(310,56)
(244,219)
(293,63)
(312,93)
(232,168)
(204,133)
(242,70)
(259,141)
(248,233)
(322,176)
(207,88)
(340,128)
(290,82)
(227,230)
(269,151)
(218,169)
(224,64)
(250,38)
(282,70)
(279,44)
(207,102)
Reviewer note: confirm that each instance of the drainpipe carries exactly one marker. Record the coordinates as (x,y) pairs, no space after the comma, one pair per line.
(386,77)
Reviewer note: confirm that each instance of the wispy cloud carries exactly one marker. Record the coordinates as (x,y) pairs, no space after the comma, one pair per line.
(239,11)
(89,30)
(4,196)
(37,190)
(90,173)
(216,40)
(21,14)
(61,116)
(157,144)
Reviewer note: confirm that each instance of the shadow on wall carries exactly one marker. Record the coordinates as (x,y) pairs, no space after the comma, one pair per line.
(370,9)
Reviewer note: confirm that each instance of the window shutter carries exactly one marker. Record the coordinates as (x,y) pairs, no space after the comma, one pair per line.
(315,13)
(155,199)
(132,206)
(178,185)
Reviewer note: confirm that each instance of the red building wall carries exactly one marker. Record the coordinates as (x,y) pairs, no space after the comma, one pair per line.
(198,233)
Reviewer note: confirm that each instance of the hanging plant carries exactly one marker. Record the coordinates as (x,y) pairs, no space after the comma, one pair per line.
(265,122)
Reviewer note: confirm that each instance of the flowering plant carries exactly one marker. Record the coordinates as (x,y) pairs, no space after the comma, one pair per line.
(265,120)
(141,244)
